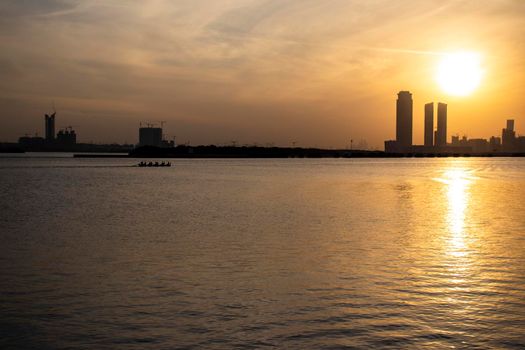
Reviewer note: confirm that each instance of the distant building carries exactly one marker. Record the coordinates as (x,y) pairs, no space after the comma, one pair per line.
(391,146)
(65,140)
(508,137)
(50,127)
(479,145)
(404,120)
(31,142)
(429,124)
(441,134)
(495,144)
(168,143)
(66,137)
(150,136)
(519,144)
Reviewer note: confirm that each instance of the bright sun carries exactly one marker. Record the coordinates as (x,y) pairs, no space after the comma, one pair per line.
(460,73)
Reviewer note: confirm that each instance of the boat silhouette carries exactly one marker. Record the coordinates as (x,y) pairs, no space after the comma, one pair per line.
(153,164)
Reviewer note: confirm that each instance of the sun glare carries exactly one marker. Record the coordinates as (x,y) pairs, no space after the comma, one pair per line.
(460,73)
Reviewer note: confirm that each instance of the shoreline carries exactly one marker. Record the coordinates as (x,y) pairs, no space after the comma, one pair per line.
(185,152)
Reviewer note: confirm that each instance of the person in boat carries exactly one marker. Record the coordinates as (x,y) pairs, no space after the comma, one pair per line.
(150,164)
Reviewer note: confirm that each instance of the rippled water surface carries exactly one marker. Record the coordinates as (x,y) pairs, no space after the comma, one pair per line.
(330,253)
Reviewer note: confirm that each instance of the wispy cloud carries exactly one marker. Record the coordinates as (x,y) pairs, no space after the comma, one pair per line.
(288,57)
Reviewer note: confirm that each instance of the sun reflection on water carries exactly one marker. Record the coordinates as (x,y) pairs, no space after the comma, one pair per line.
(458,181)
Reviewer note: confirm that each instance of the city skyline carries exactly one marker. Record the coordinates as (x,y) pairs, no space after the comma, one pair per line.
(435,133)
(435,137)
(251,71)
(262,174)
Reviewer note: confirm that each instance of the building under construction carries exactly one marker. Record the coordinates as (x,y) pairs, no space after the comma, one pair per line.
(66,138)
(151,135)
(49,127)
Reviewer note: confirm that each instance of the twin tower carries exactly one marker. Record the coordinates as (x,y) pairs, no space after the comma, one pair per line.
(404,117)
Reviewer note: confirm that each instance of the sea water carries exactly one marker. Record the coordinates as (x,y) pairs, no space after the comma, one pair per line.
(269,253)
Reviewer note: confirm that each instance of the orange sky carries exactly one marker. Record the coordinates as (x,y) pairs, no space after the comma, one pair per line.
(316,72)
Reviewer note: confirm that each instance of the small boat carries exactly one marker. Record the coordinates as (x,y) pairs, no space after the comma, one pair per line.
(154,164)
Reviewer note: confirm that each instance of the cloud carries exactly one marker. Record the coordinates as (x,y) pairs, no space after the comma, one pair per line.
(15,9)
(232,60)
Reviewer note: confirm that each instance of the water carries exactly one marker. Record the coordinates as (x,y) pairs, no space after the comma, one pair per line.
(222,254)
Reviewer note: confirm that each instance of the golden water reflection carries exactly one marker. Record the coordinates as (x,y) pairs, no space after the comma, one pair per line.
(458,181)
(458,258)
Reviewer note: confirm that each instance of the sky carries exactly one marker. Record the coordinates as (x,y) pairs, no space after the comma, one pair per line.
(314,72)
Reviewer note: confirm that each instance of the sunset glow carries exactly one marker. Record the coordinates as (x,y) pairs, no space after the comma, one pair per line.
(253,72)
(460,73)
(285,174)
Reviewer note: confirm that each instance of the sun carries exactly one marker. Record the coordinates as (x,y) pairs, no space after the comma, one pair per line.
(460,73)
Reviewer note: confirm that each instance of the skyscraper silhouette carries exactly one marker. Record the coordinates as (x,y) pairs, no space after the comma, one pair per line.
(50,127)
(429,124)
(508,136)
(441,135)
(404,120)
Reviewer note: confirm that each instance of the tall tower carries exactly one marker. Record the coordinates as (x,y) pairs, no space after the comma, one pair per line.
(50,127)
(404,120)
(508,136)
(441,135)
(429,124)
